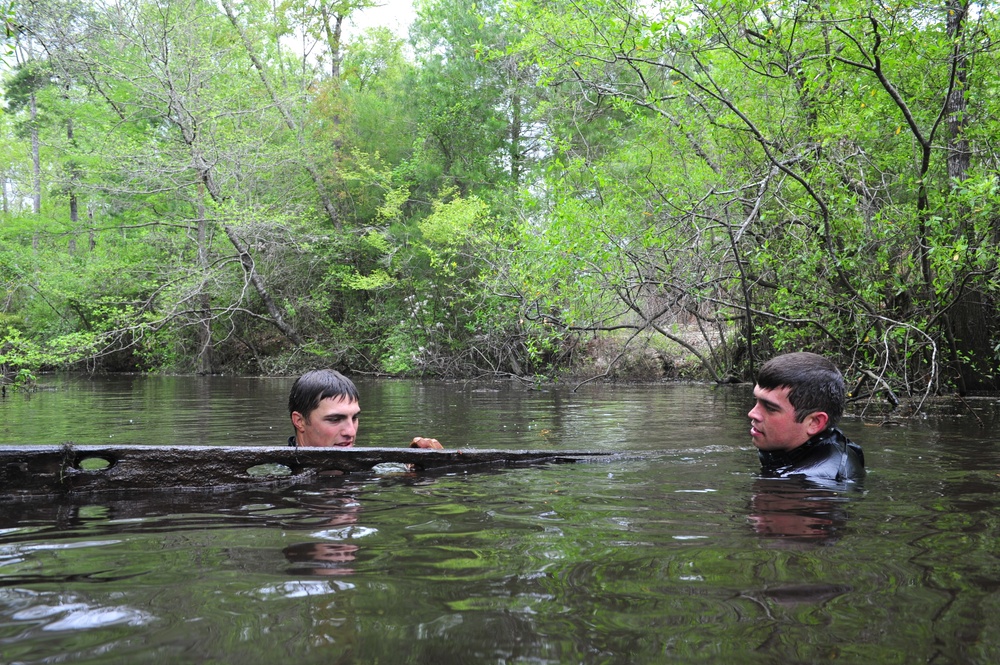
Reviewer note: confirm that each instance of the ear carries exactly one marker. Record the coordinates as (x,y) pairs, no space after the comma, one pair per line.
(298,421)
(816,422)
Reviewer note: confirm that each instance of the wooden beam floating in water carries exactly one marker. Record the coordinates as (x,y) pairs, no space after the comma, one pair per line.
(70,469)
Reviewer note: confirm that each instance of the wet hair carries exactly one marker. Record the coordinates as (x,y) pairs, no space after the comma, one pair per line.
(815,384)
(317,385)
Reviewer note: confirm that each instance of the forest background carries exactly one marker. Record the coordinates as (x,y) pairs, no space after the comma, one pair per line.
(530,188)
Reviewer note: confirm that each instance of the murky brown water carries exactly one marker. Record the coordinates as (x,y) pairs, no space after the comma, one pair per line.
(677,553)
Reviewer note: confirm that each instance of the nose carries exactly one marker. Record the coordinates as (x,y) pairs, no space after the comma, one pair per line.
(351,428)
(752,411)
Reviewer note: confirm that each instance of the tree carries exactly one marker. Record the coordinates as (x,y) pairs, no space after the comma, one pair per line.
(192,142)
(282,106)
(23,95)
(777,167)
(475,93)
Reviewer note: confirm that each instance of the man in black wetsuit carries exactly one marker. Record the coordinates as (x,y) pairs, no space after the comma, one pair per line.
(799,399)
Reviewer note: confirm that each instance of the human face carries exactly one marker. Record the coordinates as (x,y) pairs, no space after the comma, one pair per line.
(334,423)
(772,421)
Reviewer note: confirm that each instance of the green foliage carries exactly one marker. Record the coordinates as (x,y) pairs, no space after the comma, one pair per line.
(736,179)
(775,174)
(9,30)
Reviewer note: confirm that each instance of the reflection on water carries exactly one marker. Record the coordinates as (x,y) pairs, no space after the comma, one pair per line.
(677,552)
(797,511)
(321,558)
(63,612)
(336,510)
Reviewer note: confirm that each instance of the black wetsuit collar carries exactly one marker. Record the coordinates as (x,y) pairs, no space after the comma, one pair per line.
(829,454)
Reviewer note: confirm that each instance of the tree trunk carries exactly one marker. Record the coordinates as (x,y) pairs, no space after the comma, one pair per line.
(36,199)
(246,260)
(959,155)
(973,320)
(515,139)
(333,37)
(91,231)
(74,177)
(205,349)
(258,284)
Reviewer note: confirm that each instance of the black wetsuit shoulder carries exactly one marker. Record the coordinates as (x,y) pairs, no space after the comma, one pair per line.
(829,455)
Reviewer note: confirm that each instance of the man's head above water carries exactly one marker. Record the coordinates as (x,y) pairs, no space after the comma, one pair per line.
(798,395)
(324,408)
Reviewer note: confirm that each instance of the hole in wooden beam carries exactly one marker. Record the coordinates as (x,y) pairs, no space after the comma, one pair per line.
(270,470)
(94,464)
(392,468)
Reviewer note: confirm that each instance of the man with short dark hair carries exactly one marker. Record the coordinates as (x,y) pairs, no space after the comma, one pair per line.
(799,400)
(325,410)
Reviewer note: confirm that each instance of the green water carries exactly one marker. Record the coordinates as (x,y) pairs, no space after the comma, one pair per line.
(676,553)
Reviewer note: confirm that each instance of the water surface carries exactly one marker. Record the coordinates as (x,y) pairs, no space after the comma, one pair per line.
(676,552)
